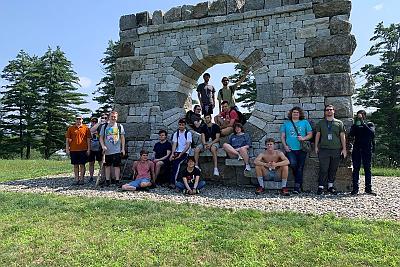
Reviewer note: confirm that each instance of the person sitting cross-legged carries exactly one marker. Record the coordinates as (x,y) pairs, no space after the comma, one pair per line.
(143,173)
(272,163)
(189,179)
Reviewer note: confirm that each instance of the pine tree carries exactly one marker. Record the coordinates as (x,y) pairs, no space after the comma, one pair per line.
(382,90)
(247,92)
(20,106)
(106,89)
(60,99)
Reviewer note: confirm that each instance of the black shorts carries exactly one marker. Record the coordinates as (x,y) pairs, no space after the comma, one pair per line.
(113,160)
(95,156)
(78,157)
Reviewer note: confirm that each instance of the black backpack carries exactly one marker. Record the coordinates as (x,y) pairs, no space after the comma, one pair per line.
(192,145)
(241,117)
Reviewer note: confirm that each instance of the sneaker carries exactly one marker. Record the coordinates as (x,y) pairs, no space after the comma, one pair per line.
(171,186)
(196,191)
(216,172)
(118,183)
(354,192)
(332,190)
(296,191)
(247,168)
(370,192)
(260,190)
(285,192)
(240,157)
(320,191)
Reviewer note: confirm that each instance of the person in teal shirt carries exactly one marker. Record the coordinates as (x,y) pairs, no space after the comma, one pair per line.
(291,143)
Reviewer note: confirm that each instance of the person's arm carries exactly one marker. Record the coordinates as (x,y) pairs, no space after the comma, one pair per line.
(88,140)
(123,144)
(173,151)
(186,184)
(187,145)
(196,182)
(216,140)
(152,176)
(283,139)
(259,162)
(199,97)
(101,139)
(284,160)
(343,142)
(67,145)
(317,137)
(237,84)
(94,128)
(134,170)
(203,139)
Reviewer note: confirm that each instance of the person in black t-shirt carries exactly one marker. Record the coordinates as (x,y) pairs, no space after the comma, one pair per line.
(193,118)
(189,179)
(210,133)
(162,151)
(206,94)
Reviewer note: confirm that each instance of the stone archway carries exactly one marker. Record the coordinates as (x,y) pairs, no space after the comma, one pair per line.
(298,51)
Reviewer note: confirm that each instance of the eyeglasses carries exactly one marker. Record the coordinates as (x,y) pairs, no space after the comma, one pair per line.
(329,109)
(225,81)
(78,119)
(103,118)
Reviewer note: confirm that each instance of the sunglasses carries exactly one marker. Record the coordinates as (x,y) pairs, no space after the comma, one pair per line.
(330,109)
(103,118)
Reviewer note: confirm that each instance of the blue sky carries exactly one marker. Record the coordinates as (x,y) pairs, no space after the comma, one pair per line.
(82,30)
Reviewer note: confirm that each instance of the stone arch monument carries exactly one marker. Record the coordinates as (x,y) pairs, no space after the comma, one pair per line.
(298,50)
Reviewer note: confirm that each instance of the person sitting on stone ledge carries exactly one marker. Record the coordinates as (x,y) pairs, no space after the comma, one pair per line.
(239,144)
(193,118)
(210,133)
(271,164)
(143,173)
(189,179)
(162,152)
(226,119)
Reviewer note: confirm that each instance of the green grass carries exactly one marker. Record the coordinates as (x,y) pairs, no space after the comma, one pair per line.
(381,171)
(48,230)
(23,169)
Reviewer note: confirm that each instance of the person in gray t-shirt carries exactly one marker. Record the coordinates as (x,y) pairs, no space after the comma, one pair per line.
(206,94)
(112,140)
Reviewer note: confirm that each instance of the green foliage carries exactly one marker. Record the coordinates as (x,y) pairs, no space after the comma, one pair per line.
(247,92)
(382,91)
(48,230)
(106,89)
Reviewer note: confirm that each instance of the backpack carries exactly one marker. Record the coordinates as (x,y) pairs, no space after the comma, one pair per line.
(192,145)
(242,119)
(104,125)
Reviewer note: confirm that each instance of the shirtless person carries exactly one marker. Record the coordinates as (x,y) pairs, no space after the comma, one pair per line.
(272,163)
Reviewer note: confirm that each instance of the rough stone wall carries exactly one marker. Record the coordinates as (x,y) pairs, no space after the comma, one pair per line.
(298,50)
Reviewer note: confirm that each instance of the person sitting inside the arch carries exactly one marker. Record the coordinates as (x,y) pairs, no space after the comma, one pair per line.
(193,118)
(226,119)
(271,164)
(143,173)
(189,179)
(239,144)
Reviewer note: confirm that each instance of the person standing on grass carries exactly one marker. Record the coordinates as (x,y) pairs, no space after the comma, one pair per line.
(330,145)
(95,148)
(291,139)
(181,141)
(238,146)
(210,133)
(112,140)
(206,95)
(162,152)
(189,180)
(77,145)
(364,145)
(272,163)
(143,173)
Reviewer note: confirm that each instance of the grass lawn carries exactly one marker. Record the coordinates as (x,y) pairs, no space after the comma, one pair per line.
(47,230)
(23,169)
(380,171)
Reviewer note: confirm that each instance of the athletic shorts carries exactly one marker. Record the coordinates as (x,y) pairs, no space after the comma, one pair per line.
(95,156)
(78,157)
(113,160)
(202,147)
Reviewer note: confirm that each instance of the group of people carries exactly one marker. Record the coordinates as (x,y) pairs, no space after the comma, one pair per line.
(104,142)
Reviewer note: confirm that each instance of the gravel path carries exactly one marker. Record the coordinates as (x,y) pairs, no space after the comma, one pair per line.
(384,206)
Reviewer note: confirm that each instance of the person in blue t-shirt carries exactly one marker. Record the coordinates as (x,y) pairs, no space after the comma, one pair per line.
(291,143)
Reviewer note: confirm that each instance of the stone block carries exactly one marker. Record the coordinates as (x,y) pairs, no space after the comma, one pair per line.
(183,68)
(126,49)
(200,11)
(289,2)
(169,100)
(129,64)
(122,79)
(127,22)
(234,6)
(134,94)
(340,44)
(256,56)
(187,12)
(272,4)
(217,8)
(259,123)
(343,106)
(137,131)
(324,85)
(318,99)
(142,19)
(332,8)
(339,25)
(269,93)
(173,15)
(129,35)
(253,5)
(255,133)
(158,18)
(123,111)
(332,64)
(315,115)
(308,106)
(304,62)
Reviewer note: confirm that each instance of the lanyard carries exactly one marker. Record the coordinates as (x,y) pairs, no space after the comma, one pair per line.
(329,126)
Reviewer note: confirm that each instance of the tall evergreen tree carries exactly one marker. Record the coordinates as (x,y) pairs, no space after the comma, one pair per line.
(382,89)
(106,89)
(20,105)
(247,92)
(60,99)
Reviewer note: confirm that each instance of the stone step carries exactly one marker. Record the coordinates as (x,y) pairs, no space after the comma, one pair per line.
(220,153)
(234,162)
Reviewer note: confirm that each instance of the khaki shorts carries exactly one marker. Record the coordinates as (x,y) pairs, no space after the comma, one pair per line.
(202,148)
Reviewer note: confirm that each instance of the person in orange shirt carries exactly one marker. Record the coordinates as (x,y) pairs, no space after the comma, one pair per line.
(77,145)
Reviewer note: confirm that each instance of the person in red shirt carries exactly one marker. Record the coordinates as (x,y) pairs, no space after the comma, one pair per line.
(77,145)
(143,173)
(226,119)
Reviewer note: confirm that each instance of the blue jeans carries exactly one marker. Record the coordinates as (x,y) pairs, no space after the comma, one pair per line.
(176,164)
(181,185)
(137,182)
(297,160)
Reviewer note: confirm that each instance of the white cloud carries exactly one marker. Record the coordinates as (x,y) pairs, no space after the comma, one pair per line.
(85,82)
(378,7)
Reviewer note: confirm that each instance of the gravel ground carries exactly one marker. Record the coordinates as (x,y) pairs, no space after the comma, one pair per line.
(386,205)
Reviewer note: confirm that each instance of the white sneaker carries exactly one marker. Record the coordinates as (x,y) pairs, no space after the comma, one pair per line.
(248,168)
(216,172)
(197,167)
(240,157)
